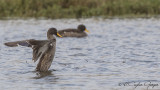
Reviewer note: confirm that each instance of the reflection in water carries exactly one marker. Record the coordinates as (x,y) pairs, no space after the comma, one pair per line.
(40,75)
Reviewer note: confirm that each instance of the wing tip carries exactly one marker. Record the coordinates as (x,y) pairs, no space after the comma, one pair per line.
(10,44)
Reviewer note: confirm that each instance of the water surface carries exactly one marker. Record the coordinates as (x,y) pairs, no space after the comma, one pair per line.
(115,53)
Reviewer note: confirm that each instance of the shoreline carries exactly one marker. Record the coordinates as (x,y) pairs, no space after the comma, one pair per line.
(94,17)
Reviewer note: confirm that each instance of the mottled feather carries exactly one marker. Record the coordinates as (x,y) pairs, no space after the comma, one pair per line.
(44,50)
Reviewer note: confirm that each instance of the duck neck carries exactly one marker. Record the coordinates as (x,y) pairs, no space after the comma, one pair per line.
(50,36)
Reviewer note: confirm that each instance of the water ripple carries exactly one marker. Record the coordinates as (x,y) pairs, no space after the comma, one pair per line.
(116,51)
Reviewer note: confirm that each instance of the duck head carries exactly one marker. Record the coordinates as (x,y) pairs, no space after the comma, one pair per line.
(82,27)
(51,32)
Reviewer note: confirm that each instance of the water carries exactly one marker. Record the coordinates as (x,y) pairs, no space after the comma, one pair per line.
(117,55)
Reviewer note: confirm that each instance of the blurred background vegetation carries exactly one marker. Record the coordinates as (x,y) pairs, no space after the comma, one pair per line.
(78,8)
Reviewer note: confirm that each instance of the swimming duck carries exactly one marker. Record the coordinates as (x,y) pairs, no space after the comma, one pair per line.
(44,50)
(79,32)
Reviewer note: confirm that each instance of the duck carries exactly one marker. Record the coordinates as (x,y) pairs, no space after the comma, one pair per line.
(79,32)
(43,50)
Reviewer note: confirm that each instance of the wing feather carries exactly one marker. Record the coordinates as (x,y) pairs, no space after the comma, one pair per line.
(43,50)
(46,57)
(17,43)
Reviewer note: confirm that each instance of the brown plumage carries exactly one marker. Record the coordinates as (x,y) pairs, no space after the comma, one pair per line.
(79,32)
(44,50)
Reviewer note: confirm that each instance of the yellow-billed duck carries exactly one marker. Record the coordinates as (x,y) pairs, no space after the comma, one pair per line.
(79,32)
(44,50)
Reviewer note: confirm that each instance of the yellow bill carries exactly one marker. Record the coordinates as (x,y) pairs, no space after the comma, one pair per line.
(86,30)
(59,35)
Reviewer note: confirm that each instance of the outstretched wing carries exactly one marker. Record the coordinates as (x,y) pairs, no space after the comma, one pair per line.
(43,50)
(17,43)
(38,46)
